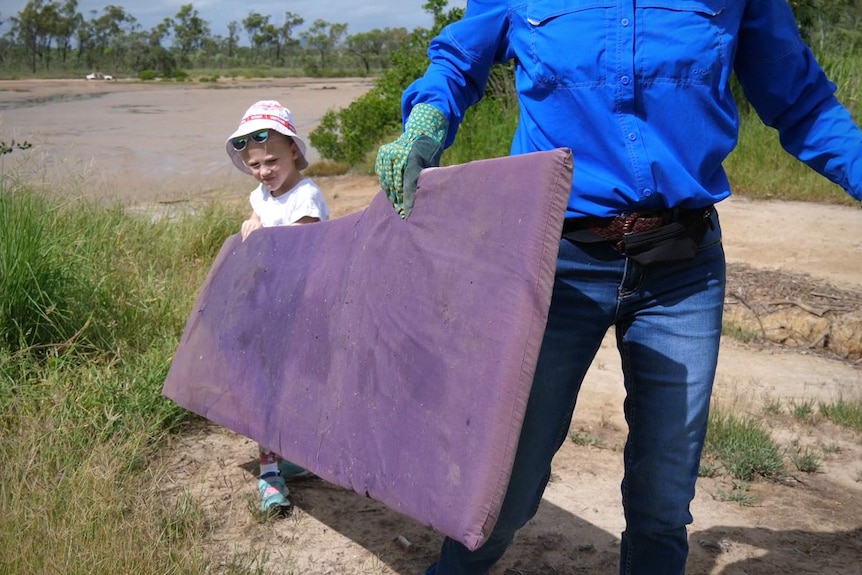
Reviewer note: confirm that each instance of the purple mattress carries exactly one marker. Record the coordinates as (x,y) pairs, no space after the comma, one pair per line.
(391,357)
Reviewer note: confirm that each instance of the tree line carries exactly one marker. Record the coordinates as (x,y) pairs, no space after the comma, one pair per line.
(52,37)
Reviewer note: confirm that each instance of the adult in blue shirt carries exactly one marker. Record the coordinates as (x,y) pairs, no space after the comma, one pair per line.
(640,91)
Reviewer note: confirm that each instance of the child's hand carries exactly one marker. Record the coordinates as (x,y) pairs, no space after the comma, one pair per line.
(249,226)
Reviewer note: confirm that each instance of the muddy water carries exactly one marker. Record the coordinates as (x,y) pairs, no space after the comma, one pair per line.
(154,142)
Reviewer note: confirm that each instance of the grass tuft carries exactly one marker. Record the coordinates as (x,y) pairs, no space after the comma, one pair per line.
(803,410)
(326,168)
(585,439)
(843,412)
(805,459)
(744,448)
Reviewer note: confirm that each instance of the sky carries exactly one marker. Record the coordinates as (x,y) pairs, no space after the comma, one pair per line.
(359,15)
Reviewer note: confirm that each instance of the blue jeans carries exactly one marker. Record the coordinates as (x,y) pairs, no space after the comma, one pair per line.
(668,325)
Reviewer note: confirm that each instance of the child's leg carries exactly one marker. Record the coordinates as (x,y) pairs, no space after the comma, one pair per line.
(272,462)
(292,471)
(268,461)
(273,492)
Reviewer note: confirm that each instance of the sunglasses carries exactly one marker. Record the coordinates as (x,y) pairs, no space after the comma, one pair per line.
(240,143)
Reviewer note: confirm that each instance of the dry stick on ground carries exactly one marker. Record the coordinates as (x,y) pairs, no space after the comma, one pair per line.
(802,306)
(741,300)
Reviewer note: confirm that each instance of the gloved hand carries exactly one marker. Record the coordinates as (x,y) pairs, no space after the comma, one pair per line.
(420,146)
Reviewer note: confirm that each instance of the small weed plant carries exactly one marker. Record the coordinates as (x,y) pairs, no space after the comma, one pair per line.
(707,469)
(805,459)
(739,494)
(772,406)
(742,446)
(843,412)
(584,439)
(803,410)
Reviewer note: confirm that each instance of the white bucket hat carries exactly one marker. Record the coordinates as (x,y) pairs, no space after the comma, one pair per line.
(265,115)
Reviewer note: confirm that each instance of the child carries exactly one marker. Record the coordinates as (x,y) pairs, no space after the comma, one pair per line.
(266,146)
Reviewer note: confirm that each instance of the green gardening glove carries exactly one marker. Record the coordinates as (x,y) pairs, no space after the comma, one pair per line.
(419,147)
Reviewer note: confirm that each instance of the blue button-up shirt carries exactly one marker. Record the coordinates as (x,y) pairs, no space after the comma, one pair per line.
(640,91)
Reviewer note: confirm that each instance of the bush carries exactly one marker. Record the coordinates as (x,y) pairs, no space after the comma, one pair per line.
(147,75)
(346,135)
(350,133)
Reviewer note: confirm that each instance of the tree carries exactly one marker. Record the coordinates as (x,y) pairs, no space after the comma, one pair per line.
(148,53)
(67,21)
(84,34)
(109,31)
(268,36)
(285,32)
(232,37)
(365,46)
(818,17)
(376,46)
(4,43)
(324,37)
(49,22)
(27,29)
(254,24)
(189,31)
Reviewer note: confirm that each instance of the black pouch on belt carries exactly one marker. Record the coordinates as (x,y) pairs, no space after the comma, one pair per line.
(672,243)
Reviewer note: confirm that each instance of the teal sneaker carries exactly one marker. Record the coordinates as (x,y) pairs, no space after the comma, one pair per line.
(273,493)
(293,472)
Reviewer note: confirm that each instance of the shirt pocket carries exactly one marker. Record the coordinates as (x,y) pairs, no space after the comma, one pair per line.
(681,41)
(564,42)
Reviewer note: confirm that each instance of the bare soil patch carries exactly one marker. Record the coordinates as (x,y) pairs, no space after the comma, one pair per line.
(795,281)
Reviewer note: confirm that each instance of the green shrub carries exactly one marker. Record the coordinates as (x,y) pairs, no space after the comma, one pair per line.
(346,135)
(147,75)
(350,133)
(135,279)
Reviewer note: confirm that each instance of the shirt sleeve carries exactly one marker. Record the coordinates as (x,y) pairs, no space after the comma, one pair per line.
(791,93)
(256,199)
(309,202)
(461,59)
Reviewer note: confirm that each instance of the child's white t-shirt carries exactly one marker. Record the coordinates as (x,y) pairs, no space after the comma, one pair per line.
(304,199)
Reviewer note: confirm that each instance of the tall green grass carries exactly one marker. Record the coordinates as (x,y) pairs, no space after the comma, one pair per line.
(843,412)
(36,274)
(92,304)
(759,168)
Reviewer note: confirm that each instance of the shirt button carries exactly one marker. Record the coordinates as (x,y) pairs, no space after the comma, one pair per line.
(624,21)
(633,136)
(647,192)
(625,80)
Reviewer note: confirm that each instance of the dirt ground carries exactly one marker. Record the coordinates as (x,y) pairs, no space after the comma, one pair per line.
(795,279)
